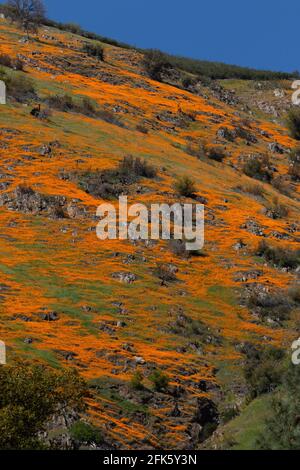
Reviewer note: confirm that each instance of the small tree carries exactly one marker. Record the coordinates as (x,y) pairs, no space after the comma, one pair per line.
(30,397)
(159,379)
(28,13)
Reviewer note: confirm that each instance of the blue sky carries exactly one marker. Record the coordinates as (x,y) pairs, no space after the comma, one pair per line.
(257,33)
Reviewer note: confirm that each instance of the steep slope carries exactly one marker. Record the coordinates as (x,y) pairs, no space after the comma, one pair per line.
(106,328)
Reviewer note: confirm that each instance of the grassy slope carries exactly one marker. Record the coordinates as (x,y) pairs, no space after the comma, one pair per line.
(60,265)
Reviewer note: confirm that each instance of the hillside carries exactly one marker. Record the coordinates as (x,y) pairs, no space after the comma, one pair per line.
(65,300)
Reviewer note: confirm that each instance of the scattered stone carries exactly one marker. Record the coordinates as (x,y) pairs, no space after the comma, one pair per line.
(126,277)
(276,148)
(50,316)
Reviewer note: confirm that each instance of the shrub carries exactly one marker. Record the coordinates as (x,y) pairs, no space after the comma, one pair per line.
(188,327)
(155,63)
(294,293)
(18,85)
(84,433)
(94,50)
(141,128)
(198,151)
(63,103)
(136,166)
(279,256)
(87,107)
(185,187)
(137,381)
(188,82)
(282,185)
(67,104)
(30,397)
(254,189)
(272,305)
(164,273)
(159,379)
(111,183)
(110,117)
(259,167)
(277,210)
(18,64)
(73,28)
(5,60)
(294,170)
(281,430)
(262,369)
(216,153)
(293,123)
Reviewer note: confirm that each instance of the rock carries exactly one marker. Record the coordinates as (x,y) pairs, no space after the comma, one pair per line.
(67,355)
(276,148)
(239,245)
(139,360)
(50,316)
(245,276)
(28,340)
(279,93)
(75,211)
(25,199)
(253,227)
(126,277)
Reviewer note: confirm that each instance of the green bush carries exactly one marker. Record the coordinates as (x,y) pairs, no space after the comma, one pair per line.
(137,381)
(274,305)
(94,50)
(254,189)
(18,85)
(111,183)
(262,369)
(110,117)
(216,153)
(66,103)
(185,186)
(259,167)
(294,170)
(159,379)
(278,256)
(293,123)
(155,63)
(277,210)
(281,431)
(136,166)
(85,433)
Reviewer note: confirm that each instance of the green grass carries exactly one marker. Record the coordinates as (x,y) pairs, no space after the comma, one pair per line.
(241,433)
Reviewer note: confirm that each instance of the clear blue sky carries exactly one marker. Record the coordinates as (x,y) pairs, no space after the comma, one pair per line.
(255,33)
